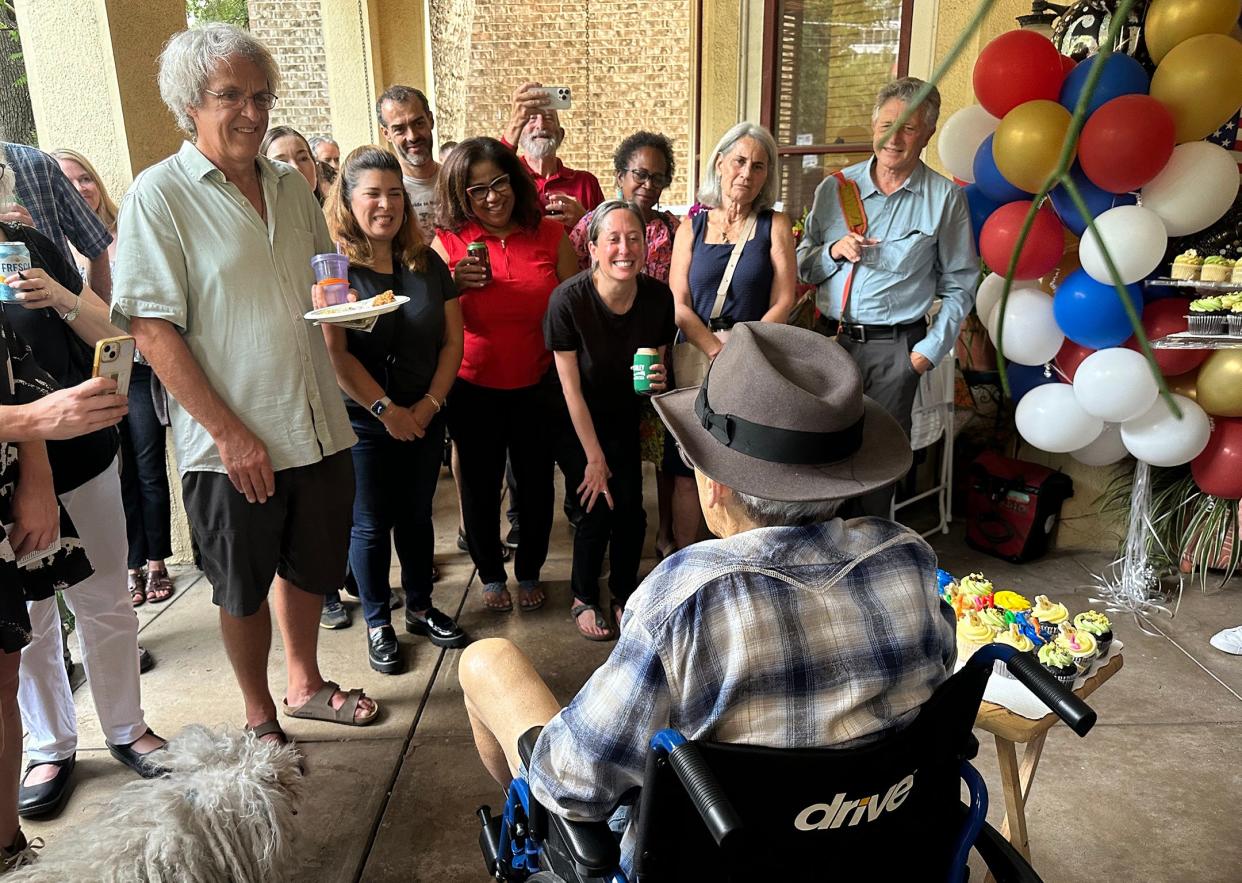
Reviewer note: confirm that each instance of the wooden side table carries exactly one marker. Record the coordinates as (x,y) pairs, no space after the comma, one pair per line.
(1009,729)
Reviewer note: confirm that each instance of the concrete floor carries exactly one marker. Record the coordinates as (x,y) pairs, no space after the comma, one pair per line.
(1149,795)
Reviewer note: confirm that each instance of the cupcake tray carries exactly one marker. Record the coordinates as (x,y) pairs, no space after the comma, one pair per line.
(1194,283)
(1184,340)
(1011,694)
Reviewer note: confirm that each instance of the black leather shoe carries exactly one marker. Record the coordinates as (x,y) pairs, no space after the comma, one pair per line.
(146,661)
(144,764)
(383,651)
(44,801)
(439,627)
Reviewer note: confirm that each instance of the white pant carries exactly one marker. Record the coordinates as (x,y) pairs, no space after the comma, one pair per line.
(107,629)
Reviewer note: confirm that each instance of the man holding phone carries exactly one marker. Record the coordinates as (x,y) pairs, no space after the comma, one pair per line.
(567,193)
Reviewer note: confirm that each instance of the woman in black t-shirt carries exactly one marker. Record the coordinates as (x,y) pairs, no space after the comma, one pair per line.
(595,322)
(396,378)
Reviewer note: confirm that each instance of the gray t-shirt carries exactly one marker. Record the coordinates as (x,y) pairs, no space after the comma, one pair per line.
(422,192)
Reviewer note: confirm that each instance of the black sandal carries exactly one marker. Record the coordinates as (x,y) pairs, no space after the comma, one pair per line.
(601,622)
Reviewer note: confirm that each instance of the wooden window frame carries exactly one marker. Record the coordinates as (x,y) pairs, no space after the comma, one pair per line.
(771,83)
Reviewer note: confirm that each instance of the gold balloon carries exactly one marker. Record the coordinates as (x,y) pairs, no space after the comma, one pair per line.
(1220,384)
(1028,143)
(1170,22)
(1200,82)
(1069,263)
(1185,384)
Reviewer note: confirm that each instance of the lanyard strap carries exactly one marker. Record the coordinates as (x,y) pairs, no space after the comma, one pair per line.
(856,220)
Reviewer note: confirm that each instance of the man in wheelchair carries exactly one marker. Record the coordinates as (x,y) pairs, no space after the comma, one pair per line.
(793,630)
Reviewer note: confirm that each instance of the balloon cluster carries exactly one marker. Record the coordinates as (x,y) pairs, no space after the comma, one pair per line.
(1145,175)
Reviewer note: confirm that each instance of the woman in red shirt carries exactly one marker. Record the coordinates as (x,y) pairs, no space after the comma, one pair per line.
(498,403)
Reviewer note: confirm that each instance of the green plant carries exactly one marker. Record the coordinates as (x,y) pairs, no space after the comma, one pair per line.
(231,12)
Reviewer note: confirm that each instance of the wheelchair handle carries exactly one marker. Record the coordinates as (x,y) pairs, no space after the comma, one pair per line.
(705,792)
(1076,713)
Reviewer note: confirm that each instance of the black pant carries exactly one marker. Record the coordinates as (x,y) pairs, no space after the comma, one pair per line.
(144,481)
(395,486)
(485,423)
(620,529)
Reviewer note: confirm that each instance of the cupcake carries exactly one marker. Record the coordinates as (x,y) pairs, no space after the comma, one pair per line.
(993,618)
(1011,601)
(1080,644)
(972,633)
(1058,662)
(1235,319)
(1187,265)
(1236,278)
(1018,641)
(1207,315)
(1047,612)
(1097,625)
(1216,268)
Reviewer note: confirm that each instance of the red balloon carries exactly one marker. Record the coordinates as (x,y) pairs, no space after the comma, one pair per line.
(1160,319)
(1070,357)
(959,182)
(1043,248)
(1126,143)
(1017,67)
(1067,64)
(1218,470)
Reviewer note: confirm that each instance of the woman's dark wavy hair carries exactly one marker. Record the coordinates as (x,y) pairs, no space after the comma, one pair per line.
(455,210)
(408,247)
(636,142)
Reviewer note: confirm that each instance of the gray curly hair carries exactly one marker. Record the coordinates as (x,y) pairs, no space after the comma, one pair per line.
(191,57)
(709,192)
(904,90)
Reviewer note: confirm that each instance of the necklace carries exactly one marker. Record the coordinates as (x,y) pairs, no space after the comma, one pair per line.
(726,230)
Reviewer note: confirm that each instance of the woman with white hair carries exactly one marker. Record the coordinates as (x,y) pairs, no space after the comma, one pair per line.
(733,262)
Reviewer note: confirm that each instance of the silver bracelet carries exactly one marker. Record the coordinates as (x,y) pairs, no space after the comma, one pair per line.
(77,308)
(435,401)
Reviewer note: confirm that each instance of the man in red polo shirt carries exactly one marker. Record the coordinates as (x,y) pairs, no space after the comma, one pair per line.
(567,193)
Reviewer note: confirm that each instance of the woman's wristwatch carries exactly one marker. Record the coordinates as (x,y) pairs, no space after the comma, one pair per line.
(380,406)
(73,312)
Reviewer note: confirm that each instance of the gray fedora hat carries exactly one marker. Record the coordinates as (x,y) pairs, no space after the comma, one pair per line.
(781,415)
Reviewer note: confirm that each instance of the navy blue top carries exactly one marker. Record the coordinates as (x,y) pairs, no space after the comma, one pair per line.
(750,293)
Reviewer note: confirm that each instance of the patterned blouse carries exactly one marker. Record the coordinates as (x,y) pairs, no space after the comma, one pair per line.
(22,382)
(660,231)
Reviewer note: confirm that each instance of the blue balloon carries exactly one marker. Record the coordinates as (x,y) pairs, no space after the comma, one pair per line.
(1122,75)
(1098,201)
(1024,378)
(981,208)
(1091,314)
(989,179)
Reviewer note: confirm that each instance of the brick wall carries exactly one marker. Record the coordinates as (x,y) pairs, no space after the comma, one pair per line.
(291,29)
(627,62)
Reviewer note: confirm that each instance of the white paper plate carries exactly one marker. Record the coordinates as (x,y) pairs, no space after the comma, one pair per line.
(363,309)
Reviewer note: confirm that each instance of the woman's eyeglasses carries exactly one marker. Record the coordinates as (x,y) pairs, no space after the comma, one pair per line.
(642,176)
(499,186)
(232,99)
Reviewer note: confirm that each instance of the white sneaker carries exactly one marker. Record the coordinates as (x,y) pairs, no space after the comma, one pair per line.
(1229,640)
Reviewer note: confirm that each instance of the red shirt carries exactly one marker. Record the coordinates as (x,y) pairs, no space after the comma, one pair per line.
(504,347)
(578,183)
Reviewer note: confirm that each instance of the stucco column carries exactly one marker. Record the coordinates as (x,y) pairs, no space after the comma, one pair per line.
(91,66)
(369,45)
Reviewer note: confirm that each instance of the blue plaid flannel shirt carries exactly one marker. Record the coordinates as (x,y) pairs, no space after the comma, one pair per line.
(787,637)
(58,211)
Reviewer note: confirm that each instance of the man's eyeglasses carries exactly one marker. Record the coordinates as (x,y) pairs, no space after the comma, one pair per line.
(232,99)
(499,186)
(642,176)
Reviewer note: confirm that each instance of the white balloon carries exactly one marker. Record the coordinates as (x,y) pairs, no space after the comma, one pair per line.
(1050,418)
(989,293)
(1134,236)
(1032,336)
(1195,189)
(1159,438)
(1115,384)
(960,137)
(1108,448)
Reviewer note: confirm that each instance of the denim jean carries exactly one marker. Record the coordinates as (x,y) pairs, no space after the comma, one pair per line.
(144,481)
(396,484)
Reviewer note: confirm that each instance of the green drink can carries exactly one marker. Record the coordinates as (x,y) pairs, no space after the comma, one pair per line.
(644,358)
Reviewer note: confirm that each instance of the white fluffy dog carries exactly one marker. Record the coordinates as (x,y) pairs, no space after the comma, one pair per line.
(224,814)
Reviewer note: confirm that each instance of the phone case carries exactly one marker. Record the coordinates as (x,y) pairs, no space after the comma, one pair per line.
(114,357)
(559,97)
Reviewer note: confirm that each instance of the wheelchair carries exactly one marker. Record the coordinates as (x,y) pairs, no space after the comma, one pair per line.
(890,810)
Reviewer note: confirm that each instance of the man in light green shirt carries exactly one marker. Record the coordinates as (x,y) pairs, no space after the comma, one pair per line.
(214,276)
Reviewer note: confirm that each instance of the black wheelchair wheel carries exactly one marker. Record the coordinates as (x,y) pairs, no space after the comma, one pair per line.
(545,877)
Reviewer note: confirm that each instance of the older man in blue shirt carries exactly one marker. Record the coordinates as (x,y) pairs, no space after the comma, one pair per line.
(878,284)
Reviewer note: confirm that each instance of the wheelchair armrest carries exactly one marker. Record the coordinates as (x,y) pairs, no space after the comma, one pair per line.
(592,846)
(1006,864)
(526,744)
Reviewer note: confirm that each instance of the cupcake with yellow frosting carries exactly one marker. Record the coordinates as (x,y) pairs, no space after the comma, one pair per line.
(1080,644)
(1058,662)
(1050,616)
(1187,265)
(1014,638)
(972,633)
(1098,625)
(1011,601)
(1216,268)
(975,592)
(993,618)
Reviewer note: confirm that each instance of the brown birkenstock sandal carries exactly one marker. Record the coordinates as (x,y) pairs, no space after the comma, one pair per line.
(319,707)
